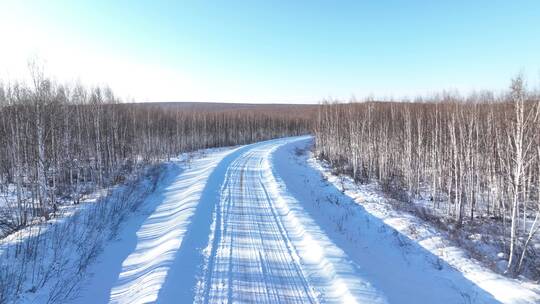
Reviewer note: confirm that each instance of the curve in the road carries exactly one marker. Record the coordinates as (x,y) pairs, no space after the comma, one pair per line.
(229,229)
(261,253)
(252,259)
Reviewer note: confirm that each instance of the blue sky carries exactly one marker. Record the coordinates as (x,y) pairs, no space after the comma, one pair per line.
(275,51)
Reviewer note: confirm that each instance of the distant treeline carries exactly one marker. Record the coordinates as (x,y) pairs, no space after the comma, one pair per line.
(474,158)
(59,142)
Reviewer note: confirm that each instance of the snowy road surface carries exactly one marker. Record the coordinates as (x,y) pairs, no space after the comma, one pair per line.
(256,224)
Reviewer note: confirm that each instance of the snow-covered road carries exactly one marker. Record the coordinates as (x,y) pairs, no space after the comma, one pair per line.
(261,251)
(256,225)
(252,259)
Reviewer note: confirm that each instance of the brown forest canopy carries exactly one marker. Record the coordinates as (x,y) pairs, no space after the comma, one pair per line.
(474,158)
(60,141)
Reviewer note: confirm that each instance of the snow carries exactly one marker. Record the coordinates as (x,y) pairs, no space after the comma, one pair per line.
(265,250)
(268,223)
(43,263)
(135,267)
(432,244)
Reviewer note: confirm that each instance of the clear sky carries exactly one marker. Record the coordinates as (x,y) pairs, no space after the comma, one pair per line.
(274,51)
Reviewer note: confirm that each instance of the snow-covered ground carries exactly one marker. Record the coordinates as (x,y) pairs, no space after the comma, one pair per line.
(411,260)
(267,223)
(44,262)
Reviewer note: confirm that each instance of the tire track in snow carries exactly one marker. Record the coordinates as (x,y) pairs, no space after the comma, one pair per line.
(249,260)
(254,254)
(217,232)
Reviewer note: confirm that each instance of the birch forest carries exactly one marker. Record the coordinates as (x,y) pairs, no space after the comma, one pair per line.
(467,163)
(59,143)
